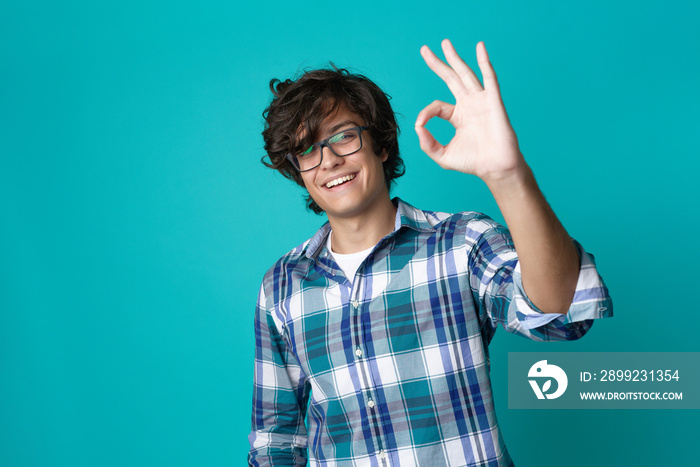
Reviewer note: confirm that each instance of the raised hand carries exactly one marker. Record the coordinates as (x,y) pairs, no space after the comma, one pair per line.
(484,143)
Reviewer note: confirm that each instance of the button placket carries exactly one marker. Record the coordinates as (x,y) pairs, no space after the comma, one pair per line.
(355,304)
(363,365)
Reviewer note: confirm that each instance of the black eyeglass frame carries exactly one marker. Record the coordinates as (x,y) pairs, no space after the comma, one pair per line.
(325,143)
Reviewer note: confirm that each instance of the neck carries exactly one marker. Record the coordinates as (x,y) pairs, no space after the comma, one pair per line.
(358,233)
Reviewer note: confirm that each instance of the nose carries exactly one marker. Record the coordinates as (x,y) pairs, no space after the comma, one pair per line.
(329,159)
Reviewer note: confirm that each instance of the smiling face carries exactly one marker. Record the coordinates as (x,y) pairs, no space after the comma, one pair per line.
(352,186)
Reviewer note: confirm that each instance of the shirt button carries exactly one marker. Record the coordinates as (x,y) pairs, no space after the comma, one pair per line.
(358,352)
(355,304)
(382,454)
(370,404)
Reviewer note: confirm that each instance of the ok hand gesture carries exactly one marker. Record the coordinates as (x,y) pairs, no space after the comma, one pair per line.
(484,143)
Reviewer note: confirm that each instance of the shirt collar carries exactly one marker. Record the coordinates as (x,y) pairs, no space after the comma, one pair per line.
(406,216)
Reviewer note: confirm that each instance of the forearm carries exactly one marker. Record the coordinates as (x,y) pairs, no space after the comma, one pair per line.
(548,259)
(280,395)
(274,449)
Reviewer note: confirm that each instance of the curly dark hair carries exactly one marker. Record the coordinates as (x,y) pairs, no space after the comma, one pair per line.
(299,107)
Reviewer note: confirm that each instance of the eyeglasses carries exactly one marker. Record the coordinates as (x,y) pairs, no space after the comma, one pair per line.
(341,144)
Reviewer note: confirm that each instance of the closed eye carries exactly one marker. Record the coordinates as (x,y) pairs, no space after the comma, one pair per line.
(343,137)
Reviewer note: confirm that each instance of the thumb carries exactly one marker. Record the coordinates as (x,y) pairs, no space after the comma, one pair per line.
(429,144)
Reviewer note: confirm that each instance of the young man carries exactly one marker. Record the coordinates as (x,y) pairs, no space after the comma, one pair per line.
(372,336)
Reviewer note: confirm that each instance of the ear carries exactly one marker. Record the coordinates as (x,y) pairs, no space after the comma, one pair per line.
(384,156)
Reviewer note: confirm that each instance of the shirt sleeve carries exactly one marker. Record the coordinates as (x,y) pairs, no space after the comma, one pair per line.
(280,396)
(502,298)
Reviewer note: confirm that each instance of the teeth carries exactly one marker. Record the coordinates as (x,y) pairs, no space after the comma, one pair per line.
(340,180)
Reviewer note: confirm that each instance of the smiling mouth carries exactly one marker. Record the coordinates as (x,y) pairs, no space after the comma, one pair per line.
(340,180)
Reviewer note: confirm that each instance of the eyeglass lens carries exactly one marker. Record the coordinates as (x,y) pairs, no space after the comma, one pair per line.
(342,144)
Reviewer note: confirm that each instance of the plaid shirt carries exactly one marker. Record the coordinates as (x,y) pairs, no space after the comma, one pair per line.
(396,364)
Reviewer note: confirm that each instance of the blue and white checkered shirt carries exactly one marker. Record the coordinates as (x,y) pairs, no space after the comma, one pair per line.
(394,367)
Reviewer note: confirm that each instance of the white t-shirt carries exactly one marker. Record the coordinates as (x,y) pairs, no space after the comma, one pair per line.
(348,262)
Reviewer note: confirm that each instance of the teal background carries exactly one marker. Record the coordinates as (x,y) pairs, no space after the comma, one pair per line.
(137,220)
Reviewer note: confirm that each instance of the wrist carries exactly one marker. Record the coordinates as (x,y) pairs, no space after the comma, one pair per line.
(510,181)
